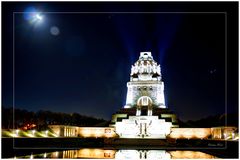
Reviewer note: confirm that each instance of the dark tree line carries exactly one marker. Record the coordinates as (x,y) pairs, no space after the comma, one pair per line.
(230,119)
(42,118)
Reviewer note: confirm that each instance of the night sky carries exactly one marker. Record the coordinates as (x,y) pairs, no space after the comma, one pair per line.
(80,62)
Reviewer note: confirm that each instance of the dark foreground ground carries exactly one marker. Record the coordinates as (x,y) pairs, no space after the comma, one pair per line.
(25,146)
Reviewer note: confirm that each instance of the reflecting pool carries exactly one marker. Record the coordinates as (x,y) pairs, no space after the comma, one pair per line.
(122,154)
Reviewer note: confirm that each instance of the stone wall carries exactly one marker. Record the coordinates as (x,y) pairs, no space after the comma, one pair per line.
(176,133)
(190,133)
(96,132)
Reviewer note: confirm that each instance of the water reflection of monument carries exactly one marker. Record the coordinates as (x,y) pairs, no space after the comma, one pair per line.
(130,154)
(145,114)
(142,154)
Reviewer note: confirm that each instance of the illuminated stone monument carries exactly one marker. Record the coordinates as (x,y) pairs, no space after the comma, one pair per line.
(145,114)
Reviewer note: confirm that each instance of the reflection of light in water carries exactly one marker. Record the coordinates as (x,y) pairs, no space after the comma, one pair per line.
(142,154)
(127,154)
(190,154)
(54,154)
(89,153)
(95,153)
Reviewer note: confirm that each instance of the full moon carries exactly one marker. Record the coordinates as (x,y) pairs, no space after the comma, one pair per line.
(54,30)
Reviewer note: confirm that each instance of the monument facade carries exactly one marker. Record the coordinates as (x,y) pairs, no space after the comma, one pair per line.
(145,114)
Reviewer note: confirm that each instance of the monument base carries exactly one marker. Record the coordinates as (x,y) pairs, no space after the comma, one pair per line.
(146,127)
